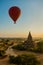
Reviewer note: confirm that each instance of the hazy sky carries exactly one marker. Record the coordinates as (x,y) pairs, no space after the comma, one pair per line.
(31,18)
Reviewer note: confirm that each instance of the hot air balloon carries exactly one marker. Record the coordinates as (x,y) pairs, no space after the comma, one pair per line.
(14,13)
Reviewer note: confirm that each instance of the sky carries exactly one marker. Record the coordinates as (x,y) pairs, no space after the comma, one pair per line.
(31,18)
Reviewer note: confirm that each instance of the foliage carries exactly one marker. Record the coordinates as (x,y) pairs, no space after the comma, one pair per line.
(2,52)
(37,49)
(19,47)
(24,60)
(40,46)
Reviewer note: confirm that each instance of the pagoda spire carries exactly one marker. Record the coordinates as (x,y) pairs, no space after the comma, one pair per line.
(29,37)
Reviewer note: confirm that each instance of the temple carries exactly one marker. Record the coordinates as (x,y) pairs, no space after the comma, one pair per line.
(29,41)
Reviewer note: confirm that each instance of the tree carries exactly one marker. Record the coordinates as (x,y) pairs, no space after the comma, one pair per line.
(40,46)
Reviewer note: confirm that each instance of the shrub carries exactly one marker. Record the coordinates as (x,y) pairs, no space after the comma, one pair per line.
(2,52)
(19,47)
(24,60)
(40,46)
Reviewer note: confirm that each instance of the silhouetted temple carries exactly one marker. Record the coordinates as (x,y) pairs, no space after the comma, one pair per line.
(29,42)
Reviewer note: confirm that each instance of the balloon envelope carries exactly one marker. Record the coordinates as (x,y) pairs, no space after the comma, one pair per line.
(14,13)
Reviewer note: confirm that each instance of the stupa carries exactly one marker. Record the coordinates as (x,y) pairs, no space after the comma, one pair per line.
(29,42)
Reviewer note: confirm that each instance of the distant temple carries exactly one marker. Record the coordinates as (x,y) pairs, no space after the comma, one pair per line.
(29,42)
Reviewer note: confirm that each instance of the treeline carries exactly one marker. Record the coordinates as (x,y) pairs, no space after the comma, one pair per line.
(38,48)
